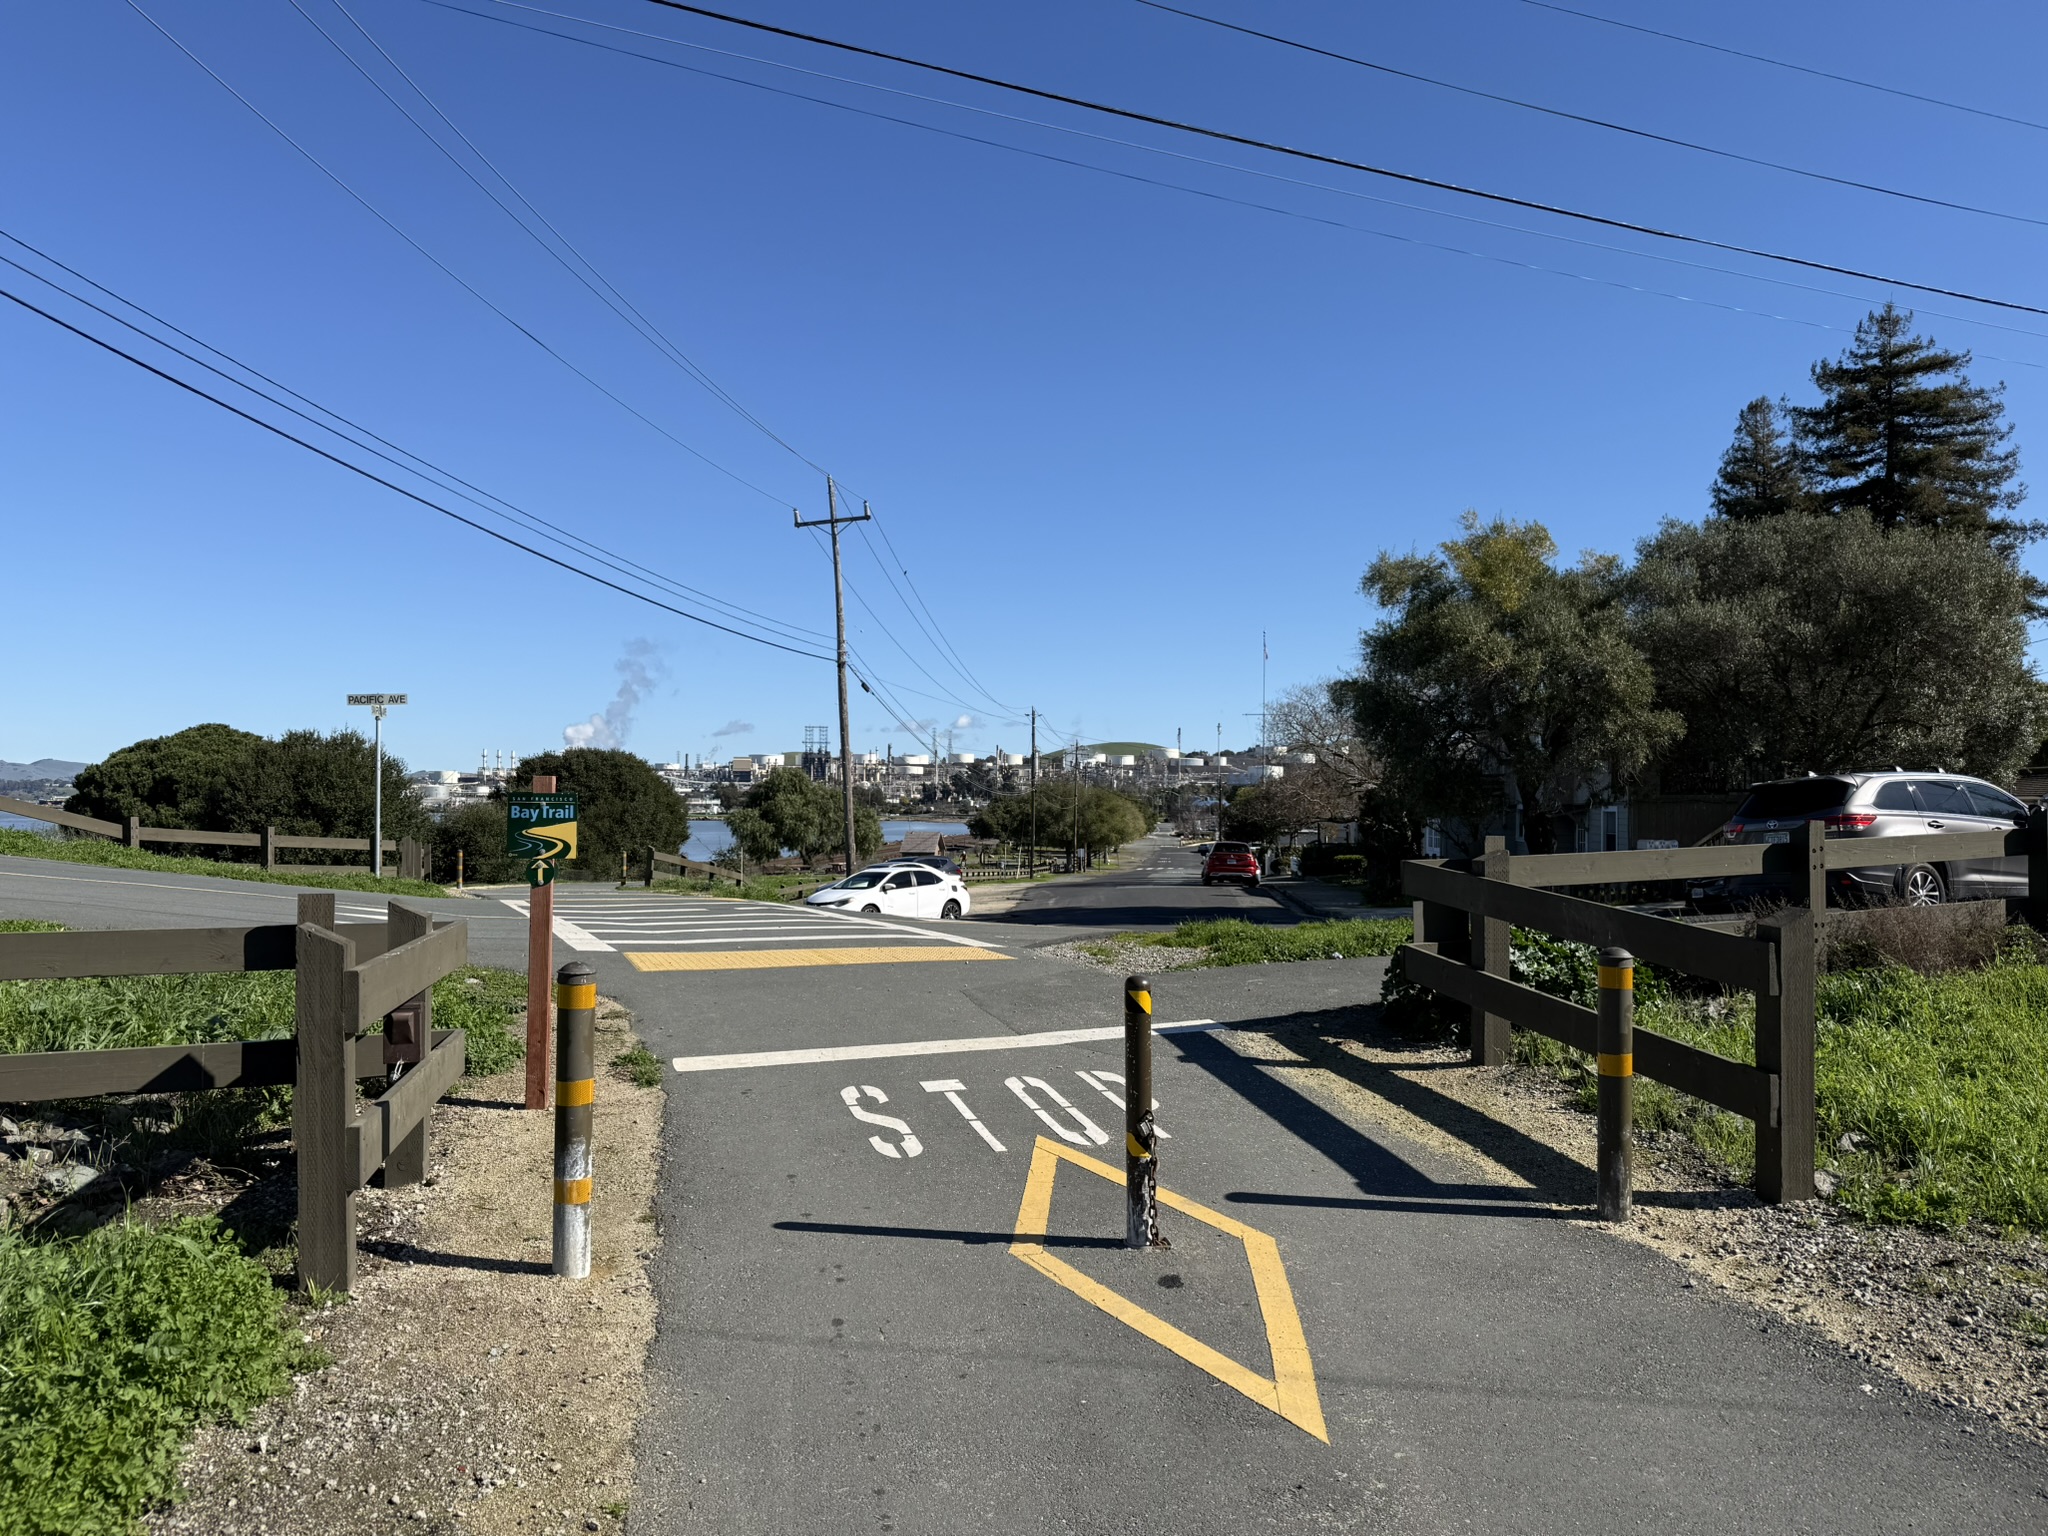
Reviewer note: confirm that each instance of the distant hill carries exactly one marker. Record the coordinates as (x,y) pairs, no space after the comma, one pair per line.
(1124,748)
(43,768)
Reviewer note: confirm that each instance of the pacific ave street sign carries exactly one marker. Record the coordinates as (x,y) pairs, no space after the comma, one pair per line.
(376,700)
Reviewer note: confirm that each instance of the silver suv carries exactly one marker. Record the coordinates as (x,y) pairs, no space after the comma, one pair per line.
(1895,804)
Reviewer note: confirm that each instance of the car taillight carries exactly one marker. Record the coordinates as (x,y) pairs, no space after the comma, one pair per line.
(1731,831)
(1860,821)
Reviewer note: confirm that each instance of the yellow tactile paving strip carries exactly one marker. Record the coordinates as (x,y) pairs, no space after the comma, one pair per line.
(776,959)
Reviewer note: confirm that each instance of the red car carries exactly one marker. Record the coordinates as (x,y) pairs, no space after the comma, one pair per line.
(1231,861)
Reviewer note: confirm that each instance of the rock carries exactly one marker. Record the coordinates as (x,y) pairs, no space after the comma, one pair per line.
(1825,1184)
(37,1154)
(68,1178)
(1852,1141)
(8,1127)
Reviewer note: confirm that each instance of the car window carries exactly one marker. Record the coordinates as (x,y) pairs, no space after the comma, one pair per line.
(926,877)
(1895,796)
(897,882)
(1793,799)
(1943,797)
(1993,802)
(861,882)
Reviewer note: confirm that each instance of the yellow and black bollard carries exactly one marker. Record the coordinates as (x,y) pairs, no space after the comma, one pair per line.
(575,1089)
(1141,1135)
(1614,1038)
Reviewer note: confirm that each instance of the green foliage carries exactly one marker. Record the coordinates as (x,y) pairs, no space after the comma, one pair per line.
(1903,436)
(477,829)
(1084,815)
(113,1347)
(1233,941)
(639,1066)
(622,804)
(32,845)
(789,809)
(1811,642)
(28,925)
(1760,473)
(114,1012)
(214,778)
(1495,662)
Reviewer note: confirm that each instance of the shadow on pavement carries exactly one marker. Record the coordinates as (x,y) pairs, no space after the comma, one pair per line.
(942,1234)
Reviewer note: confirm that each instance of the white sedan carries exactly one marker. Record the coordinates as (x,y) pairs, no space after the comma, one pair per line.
(897,890)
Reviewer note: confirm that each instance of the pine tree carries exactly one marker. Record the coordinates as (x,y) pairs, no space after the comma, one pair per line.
(1760,474)
(1901,432)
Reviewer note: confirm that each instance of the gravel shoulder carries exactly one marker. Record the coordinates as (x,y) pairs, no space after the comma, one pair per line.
(471,1390)
(1961,1318)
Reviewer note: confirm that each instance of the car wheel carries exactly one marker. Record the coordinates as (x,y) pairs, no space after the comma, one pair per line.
(1207,881)
(949,911)
(871,907)
(1920,886)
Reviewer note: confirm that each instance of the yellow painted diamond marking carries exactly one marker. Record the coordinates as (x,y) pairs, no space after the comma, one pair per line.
(1290,1391)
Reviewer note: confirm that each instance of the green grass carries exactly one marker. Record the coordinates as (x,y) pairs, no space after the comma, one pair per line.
(33,845)
(639,1066)
(756,888)
(1233,941)
(1939,1083)
(108,1013)
(114,1346)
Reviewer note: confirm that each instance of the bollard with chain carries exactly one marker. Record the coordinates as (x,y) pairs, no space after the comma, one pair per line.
(1141,1136)
(575,1088)
(1614,1039)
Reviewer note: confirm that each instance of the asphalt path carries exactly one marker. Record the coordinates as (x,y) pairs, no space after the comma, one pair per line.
(850,1338)
(847,1341)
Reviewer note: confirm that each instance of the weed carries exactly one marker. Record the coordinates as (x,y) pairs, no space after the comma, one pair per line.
(28,925)
(33,845)
(639,1066)
(113,1346)
(1233,941)
(616,1509)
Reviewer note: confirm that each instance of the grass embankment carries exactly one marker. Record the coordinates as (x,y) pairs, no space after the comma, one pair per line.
(1233,941)
(114,1346)
(117,1343)
(33,845)
(1931,1088)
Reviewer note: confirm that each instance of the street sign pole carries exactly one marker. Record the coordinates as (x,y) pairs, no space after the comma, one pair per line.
(540,827)
(378,703)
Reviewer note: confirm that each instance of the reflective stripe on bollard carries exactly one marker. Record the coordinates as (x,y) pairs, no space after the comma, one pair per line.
(575,1093)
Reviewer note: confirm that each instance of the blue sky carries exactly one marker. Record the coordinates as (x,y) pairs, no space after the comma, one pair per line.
(1114,430)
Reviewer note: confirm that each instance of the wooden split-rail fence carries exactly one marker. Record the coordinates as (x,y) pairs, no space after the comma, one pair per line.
(412,855)
(349,977)
(1465,909)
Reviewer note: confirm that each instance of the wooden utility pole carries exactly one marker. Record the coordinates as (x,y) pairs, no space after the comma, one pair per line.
(1031,858)
(833,520)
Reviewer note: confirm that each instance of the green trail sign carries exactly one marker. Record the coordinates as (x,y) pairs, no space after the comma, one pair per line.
(542,830)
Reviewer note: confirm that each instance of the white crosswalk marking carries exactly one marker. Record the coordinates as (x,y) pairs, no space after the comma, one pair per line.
(604,922)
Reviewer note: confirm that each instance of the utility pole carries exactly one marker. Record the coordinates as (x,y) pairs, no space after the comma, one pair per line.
(1031,858)
(833,520)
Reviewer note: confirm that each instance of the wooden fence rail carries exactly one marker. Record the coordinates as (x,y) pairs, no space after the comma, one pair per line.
(411,854)
(349,976)
(1464,911)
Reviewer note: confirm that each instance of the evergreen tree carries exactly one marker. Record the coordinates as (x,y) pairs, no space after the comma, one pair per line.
(1902,433)
(1760,473)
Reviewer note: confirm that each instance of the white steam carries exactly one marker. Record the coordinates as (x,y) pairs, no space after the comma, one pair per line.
(639,670)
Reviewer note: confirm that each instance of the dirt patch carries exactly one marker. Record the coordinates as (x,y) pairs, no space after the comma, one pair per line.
(471,1390)
(1961,1317)
(1127,958)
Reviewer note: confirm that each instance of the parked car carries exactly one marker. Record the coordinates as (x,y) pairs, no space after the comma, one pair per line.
(1231,861)
(1202,850)
(1871,805)
(899,890)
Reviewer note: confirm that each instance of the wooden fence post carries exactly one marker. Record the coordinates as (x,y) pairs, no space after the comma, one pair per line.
(131,834)
(269,847)
(323,1102)
(2037,867)
(1811,840)
(1785,1045)
(1450,930)
(1491,1038)
(407,1162)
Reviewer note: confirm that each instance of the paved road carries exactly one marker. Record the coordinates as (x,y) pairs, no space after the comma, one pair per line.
(1349,1332)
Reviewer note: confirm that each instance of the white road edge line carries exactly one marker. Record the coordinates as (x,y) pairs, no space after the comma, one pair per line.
(569,933)
(829,1053)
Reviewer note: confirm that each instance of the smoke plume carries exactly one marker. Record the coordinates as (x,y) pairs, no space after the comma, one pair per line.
(639,670)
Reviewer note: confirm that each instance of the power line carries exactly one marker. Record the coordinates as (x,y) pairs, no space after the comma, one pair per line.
(1192,159)
(1317,157)
(958,664)
(1594,122)
(603,288)
(443,267)
(398,456)
(1801,69)
(372,476)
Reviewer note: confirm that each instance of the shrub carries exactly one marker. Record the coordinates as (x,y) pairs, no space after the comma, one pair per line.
(113,1347)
